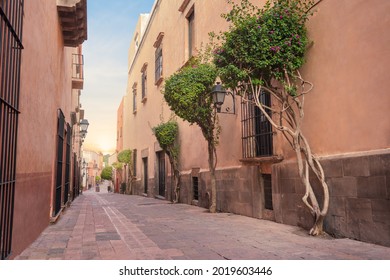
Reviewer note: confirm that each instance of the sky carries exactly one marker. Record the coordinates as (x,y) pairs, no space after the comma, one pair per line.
(111,26)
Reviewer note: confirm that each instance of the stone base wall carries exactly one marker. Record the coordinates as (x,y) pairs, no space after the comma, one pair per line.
(239,191)
(359,189)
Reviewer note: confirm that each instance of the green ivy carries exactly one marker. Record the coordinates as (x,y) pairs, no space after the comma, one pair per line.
(166,134)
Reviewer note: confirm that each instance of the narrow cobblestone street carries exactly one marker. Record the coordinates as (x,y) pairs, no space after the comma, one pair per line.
(108,226)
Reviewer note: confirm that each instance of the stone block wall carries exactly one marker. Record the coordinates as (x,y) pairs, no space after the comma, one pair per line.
(359,189)
(239,191)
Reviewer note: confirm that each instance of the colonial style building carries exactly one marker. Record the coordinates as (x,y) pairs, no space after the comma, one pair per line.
(93,167)
(41,80)
(346,120)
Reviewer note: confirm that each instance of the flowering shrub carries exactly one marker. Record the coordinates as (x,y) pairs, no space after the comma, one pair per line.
(262,43)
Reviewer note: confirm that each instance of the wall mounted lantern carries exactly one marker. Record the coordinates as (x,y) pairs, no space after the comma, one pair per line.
(84,125)
(218,94)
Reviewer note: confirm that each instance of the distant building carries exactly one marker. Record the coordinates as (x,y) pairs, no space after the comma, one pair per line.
(41,81)
(346,120)
(94,167)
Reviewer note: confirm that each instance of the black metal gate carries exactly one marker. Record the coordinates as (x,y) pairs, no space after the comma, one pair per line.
(60,156)
(161,173)
(76,177)
(11,25)
(67,163)
(145,162)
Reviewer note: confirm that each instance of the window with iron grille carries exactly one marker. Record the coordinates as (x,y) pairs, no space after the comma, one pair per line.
(158,64)
(11,25)
(195,188)
(135,98)
(257,135)
(144,78)
(191,32)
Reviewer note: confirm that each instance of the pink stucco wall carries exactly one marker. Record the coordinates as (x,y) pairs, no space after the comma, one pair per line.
(46,86)
(348,64)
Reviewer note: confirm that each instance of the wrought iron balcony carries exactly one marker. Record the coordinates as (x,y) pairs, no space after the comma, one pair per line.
(77,71)
(73,17)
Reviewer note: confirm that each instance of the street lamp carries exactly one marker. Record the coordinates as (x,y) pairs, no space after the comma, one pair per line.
(218,94)
(84,126)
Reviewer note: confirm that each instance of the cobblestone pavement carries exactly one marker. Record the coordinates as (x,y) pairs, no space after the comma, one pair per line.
(108,226)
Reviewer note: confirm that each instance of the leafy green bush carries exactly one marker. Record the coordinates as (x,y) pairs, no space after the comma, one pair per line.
(107,173)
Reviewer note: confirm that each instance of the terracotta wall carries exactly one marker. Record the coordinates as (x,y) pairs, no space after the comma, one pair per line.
(346,111)
(45,87)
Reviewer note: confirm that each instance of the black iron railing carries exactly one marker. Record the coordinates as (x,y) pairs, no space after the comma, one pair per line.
(11,24)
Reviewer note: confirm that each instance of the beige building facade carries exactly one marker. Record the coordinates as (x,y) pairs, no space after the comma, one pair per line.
(94,167)
(345,121)
(44,153)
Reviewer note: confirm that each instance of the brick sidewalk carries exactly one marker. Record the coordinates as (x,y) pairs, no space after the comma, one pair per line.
(107,226)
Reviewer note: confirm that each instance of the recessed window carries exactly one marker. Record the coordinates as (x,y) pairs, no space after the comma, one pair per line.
(195,188)
(191,33)
(144,79)
(267,180)
(159,64)
(257,135)
(158,59)
(135,162)
(135,98)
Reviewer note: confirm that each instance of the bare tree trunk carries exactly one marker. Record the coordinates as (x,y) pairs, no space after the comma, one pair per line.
(176,175)
(177,178)
(290,113)
(129,183)
(212,163)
